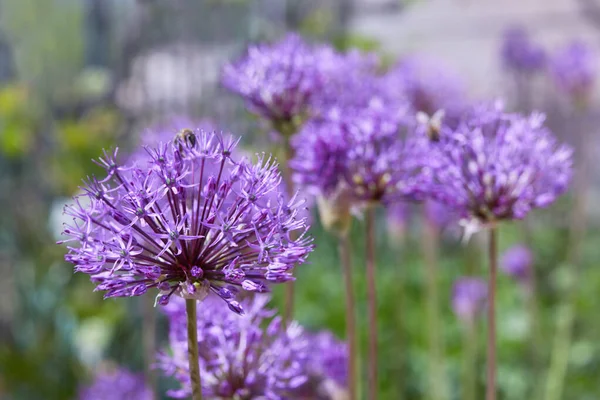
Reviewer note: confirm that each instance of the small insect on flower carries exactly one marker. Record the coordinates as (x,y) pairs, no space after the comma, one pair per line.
(187,219)
(186,136)
(432,124)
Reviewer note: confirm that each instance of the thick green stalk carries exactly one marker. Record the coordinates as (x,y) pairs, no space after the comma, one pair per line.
(372,388)
(345,260)
(192,332)
(490,393)
(149,341)
(469,382)
(437,379)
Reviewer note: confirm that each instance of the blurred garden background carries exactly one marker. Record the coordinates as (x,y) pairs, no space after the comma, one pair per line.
(77,76)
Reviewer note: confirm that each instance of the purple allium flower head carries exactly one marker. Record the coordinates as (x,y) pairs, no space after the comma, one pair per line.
(190,221)
(117,384)
(519,53)
(247,357)
(352,83)
(361,152)
(517,262)
(278,81)
(469,296)
(498,166)
(328,358)
(573,69)
(429,86)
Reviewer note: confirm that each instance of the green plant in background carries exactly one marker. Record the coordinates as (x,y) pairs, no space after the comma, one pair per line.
(17,121)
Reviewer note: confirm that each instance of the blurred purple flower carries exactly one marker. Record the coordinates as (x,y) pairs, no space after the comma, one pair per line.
(247,357)
(519,53)
(116,384)
(517,262)
(328,358)
(191,221)
(359,152)
(469,296)
(278,81)
(498,166)
(574,69)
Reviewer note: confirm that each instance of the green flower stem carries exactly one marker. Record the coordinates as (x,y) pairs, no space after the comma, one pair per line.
(192,332)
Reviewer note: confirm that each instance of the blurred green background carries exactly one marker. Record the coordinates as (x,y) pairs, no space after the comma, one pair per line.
(77,76)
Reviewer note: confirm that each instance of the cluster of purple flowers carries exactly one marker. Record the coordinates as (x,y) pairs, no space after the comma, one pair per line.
(574,70)
(190,217)
(117,384)
(252,356)
(497,166)
(469,297)
(279,82)
(517,262)
(520,53)
(190,221)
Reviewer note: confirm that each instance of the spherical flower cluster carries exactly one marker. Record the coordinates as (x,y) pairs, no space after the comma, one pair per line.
(241,357)
(517,262)
(360,153)
(328,358)
(469,296)
(573,69)
(278,81)
(519,53)
(498,166)
(116,384)
(190,221)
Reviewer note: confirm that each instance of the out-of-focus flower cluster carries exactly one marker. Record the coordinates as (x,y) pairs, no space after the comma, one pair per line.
(469,297)
(252,356)
(520,53)
(498,166)
(574,69)
(117,384)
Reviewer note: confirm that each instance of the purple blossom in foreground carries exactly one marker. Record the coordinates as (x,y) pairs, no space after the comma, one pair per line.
(278,81)
(574,69)
(469,296)
(241,357)
(117,384)
(498,166)
(361,154)
(517,262)
(519,53)
(429,86)
(192,220)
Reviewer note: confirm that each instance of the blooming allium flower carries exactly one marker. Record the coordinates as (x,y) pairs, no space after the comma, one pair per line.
(191,221)
(328,358)
(573,69)
(517,262)
(359,152)
(243,357)
(497,166)
(278,81)
(469,296)
(519,53)
(429,85)
(117,384)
